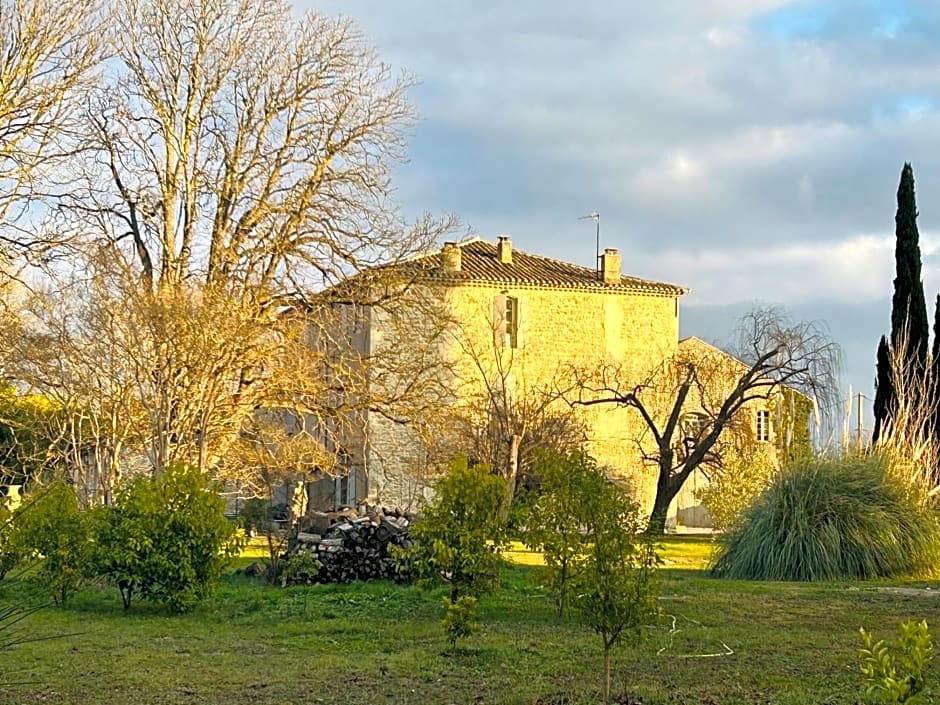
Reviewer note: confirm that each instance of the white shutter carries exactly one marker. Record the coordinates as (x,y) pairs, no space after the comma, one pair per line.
(499,320)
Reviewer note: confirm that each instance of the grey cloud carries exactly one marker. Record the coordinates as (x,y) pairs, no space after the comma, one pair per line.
(663,116)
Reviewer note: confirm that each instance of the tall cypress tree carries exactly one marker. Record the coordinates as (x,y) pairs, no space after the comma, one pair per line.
(884,389)
(908,306)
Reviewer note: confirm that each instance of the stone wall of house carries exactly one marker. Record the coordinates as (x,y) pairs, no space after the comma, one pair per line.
(559,330)
(404,440)
(399,472)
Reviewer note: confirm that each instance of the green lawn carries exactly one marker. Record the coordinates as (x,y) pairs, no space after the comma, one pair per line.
(718,643)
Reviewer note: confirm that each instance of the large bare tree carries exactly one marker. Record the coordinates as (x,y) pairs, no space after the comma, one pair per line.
(770,354)
(48,52)
(239,147)
(237,166)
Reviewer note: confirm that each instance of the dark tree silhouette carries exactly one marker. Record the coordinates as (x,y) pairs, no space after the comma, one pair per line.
(908,306)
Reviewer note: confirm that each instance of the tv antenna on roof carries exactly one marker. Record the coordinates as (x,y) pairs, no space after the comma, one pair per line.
(596,217)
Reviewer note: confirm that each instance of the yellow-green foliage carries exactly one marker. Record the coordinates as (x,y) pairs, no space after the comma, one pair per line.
(793,411)
(615,577)
(50,528)
(8,553)
(166,539)
(458,618)
(555,522)
(743,475)
(460,535)
(895,671)
(26,434)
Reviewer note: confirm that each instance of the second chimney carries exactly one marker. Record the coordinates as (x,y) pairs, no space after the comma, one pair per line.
(453,257)
(610,265)
(504,249)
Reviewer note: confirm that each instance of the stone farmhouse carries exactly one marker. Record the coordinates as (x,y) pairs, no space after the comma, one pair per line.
(526,318)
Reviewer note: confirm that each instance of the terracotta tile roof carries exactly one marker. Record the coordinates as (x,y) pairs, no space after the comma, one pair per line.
(480,263)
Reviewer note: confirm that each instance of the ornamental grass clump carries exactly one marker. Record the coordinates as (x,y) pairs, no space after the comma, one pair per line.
(833,518)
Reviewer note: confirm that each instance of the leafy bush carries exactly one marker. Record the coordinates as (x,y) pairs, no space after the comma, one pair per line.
(9,553)
(458,618)
(615,575)
(459,535)
(555,523)
(50,527)
(736,484)
(895,671)
(833,518)
(167,539)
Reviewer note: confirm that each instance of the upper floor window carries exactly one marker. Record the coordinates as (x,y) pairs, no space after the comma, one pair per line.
(763,425)
(511,323)
(693,425)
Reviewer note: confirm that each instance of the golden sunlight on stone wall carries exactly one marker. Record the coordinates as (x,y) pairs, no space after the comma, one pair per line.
(564,329)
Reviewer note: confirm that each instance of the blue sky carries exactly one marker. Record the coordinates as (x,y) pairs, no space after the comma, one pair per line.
(747,149)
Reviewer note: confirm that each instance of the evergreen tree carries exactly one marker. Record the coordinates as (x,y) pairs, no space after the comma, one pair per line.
(908,306)
(884,389)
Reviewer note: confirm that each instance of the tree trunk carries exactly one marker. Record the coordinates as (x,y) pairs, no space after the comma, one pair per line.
(666,490)
(606,672)
(512,473)
(514,442)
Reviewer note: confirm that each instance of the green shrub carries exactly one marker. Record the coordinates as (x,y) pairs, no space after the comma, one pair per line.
(734,486)
(458,618)
(555,523)
(166,539)
(459,536)
(833,518)
(895,670)
(615,581)
(9,553)
(51,528)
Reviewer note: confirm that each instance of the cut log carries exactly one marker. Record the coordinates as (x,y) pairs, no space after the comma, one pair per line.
(350,544)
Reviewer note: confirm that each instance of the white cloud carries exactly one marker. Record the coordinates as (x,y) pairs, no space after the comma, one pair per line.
(725,150)
(855,270)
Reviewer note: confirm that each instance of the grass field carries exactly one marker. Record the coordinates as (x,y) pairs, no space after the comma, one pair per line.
(719,642)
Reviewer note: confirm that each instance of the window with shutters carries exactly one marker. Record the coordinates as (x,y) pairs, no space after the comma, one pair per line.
(692,425)
(511,321)
(763,425)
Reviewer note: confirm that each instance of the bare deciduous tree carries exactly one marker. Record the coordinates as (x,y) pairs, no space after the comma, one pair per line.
(773,353)
(511,413)
(49,51)
(239,166)
(245,149)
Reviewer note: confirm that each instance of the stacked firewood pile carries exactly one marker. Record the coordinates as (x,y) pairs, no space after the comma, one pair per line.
(351,544)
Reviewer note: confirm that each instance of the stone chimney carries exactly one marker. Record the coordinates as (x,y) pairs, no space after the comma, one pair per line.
(610,266)
(504,249)
(452,257)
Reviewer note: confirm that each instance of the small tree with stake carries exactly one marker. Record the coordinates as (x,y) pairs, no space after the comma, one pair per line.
(554,525)
(461,533)
(459,538)
(615,580)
